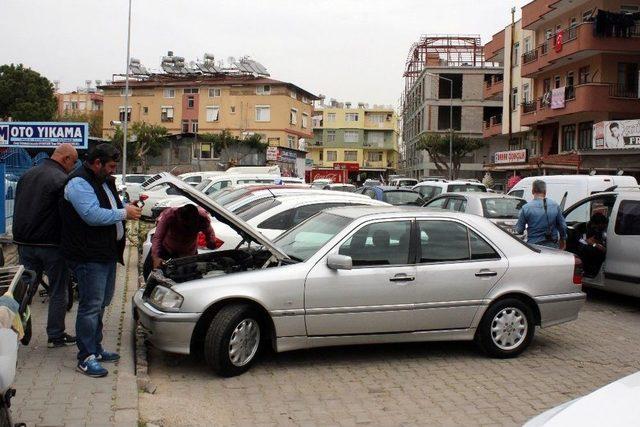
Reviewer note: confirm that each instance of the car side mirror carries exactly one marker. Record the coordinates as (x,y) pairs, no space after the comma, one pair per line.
(339,262)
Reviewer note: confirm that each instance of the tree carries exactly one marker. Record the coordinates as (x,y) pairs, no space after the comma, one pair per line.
(25,95)
(437,145)
(143,140)
(94,119)
(232,149)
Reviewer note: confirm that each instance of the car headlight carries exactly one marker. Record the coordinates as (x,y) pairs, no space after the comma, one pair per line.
(166,298)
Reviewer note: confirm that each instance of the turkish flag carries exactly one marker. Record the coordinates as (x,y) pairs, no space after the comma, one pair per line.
(558,43)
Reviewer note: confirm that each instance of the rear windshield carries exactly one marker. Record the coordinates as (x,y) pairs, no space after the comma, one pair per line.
(258,208)
(398,198)
(466,188)
(502,208)
(227,197)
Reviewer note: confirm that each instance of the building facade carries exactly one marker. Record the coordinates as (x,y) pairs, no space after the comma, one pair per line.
(583,58)
(80,102)
(363,139)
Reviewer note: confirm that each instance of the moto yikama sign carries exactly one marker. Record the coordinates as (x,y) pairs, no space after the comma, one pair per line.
(616,134)
(43,134)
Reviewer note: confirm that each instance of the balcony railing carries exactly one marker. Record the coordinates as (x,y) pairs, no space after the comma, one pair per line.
(529,106)
(618,90)
(496,79)
(493,121)
(530,56)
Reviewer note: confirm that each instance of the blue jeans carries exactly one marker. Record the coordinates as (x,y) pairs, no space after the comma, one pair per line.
(96,284)
(49,260)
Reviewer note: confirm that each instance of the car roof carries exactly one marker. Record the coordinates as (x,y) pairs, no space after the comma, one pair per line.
(386,188)
(478,195)
(375,212)
(440,183)
(321,198)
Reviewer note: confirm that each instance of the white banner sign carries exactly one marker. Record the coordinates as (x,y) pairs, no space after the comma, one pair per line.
(515,156)
(616,134)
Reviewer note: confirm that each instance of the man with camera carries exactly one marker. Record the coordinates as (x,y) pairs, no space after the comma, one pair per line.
(542,219)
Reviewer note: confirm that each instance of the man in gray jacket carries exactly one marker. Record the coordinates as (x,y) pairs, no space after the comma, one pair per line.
(36,230)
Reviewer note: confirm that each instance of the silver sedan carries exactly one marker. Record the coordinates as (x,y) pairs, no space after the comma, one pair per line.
(357,276)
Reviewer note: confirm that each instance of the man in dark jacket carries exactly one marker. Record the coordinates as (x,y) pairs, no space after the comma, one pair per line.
(36,230)
(93,240)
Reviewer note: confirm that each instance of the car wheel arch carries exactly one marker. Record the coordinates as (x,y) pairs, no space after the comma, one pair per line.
(202,325)
(525,298)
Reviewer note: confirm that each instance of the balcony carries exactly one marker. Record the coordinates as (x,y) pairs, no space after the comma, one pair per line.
(492,127)
(590,97)
(494,50)
(493,88)
(578,40)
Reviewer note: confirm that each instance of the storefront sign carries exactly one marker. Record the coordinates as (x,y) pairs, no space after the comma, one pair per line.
(287,156)
(616,134)
(515,156)
(272,154)
(351,167)
(43,134)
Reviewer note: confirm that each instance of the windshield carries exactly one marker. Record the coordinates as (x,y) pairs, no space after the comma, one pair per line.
(398,198)
(203,184)
(502,208)
(306,239)
(464,188)
(256,208)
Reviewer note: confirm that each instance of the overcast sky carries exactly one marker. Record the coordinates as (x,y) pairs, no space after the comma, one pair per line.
(352,50)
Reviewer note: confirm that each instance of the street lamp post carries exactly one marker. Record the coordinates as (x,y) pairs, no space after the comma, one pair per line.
(125,126)
(450,120)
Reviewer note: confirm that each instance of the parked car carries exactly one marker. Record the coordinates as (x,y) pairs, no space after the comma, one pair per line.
(403,182)
(568,189)
(393,195)
(615,404)
(195,178)
(347,276)
(430,189)
(620,271)
(348,188)
(320,183)
(371,183)
(500,209)
(134,182)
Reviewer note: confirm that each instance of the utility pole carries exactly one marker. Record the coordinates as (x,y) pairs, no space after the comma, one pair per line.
(125,126)
(511,44)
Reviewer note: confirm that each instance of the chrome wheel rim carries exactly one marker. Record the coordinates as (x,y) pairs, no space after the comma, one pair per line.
(244,342)
(509,328)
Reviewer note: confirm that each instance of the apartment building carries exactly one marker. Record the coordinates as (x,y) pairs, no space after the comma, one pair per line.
(444,88)
(510,142)
(583,57)
(80,101)
(279,112)
(362,139)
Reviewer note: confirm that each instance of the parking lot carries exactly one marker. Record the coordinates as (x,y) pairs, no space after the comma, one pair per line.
(405,384)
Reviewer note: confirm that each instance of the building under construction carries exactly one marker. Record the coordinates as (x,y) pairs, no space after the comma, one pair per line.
(444,79)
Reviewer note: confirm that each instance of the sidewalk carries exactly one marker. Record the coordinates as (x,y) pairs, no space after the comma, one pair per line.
(50,392)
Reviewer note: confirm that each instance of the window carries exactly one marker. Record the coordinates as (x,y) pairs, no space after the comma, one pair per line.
(546,85)
(145,110)
(263,90)
(305,100)
(516,53)
(331,117)
(526,93)
(374,156)
(402,198)
(331,136)
(191,102)
(628,8)
(217,187)
(438,203)
(457,204)
(628,219)
(351,136)
(568,137)
(584,211)
(169,93)
(442,241)
(74,105)
(428,192)
(82,105)
(291,141)
(67,105)
(122,91)
(480,249)
(583,75)
(501,208)
(191,90)
(376,118)
(321,154)
(444,118)
(375,139)
(332,156)
(557,81)
(585,135)
(292,94)
(185,126)
(514,98)
(166,114)
(121,114)
(194,126)
(213,113)
(232,109)
(351,117)
(444,86)
(289,219)
(527,45)
(215,92)
(263,113)
(573,22)
(305,120)
(293,116)
(350,156)
(254,208)
(383,243)
(205,151)
(586,15)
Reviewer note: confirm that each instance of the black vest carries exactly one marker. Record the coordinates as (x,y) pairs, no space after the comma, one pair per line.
(82,242)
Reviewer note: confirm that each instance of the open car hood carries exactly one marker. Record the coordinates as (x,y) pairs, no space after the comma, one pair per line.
(247,232)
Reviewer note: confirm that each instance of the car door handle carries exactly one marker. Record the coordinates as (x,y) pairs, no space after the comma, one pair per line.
(402,278)
(486,273)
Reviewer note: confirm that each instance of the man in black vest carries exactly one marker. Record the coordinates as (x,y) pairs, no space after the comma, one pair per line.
(36,231)
(93,240)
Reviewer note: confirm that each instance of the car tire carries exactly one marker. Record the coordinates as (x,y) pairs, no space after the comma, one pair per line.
(233,340)
(506,329)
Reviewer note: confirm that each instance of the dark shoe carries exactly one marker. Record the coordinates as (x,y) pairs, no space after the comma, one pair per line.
(64,340)
(92,368)
(108,356)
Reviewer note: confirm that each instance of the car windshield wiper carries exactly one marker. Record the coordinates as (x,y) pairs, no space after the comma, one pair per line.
(295,258)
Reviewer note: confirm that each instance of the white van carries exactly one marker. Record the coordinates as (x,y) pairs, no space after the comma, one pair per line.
(195,178)
(568,189)
(212,184)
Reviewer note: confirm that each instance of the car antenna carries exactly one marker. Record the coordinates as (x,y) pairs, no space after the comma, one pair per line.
(271,192)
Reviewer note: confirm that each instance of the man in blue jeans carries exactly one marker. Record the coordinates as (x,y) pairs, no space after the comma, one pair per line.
(93,240)
(543,219)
